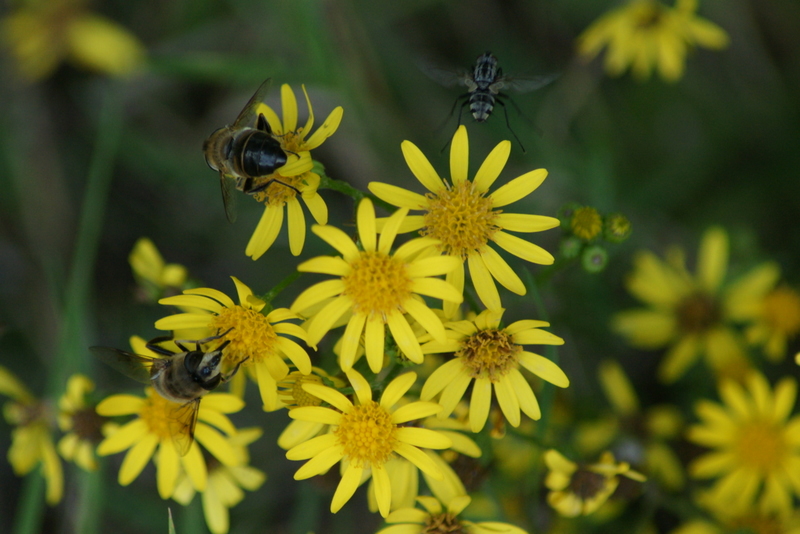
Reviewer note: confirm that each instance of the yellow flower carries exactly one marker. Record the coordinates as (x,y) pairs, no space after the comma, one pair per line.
(756,445)
(225,483)
(492,356)
(439,519)
(463,216)
(277,195)
(292,394)
(42,34)
(730,520)
(31,440)
(152,274)
(646,34)
(81,422)
(586,223)
(644,434)
(366,436)
(690,314)
(257,341)
(378,288)
(580,490)
(152,432)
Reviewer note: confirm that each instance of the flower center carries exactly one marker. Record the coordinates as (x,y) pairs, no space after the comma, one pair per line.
(442,524)
(761,445)
(587,484)
(292,393)
(279,191)
(461,218)
(489,354)
(782,310)
(87,423)
(586,223)
(648,15)
(367,435)
(757,524)
(252,336)
(697,313)
(378,284)
(159,415)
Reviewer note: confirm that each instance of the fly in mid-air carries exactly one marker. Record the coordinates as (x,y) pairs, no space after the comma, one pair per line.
(244,152)
(485,84)
(180,377)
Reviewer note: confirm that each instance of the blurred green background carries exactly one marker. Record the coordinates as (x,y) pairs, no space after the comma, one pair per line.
(718,147)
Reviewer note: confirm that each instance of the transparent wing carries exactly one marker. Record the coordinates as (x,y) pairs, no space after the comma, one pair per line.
(182,421)
(522,84)
(131,365)
(248,114)
(228,198)
(445,77)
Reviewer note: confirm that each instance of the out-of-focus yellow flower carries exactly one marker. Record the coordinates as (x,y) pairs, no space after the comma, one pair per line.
(755,457)
(582,489)
(734,520)
(692,315)
(81,423)
(42,34)
(226,483)
(646,35)
(153,275)
(292,394)
(31,440)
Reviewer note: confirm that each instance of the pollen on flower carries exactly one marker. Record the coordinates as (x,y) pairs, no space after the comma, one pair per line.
(461,218)
(489,354)
(251,335)
(761,445)
(378,283)
(367,435)
(280,190)
(698,312)
(445,523)
(292,393)
(586,223)
(159,415)
(782,310)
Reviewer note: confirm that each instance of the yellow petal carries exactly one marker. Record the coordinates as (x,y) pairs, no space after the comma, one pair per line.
(346,488)
(483,282)
(421,167)
(518,188)
(712,259)
(327,129)
(459,156)
(523,249)
(137,458)
(397,196)
(266,232)
(492,166)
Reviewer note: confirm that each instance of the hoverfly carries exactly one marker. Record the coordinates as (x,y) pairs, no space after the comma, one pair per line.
(245,151)
(485,83)
(180,377)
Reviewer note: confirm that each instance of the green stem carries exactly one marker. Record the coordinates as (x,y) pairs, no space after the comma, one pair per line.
(356,194)
(283,284)
(31,505)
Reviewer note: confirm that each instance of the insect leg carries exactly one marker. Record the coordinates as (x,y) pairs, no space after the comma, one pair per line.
(153,345)
(261,187)
(460,113)
(235,370)
(508,124)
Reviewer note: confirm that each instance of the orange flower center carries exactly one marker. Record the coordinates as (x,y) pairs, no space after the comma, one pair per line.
(461,218)
(159,415)
(586,223)
(367,435)
(378,284)
(252,335)
(292,393)
(489,354)
(443,524)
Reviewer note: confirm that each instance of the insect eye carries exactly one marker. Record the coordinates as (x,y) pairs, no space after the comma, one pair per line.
(205,371)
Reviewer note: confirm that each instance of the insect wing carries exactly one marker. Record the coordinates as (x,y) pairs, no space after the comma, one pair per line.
(522,84)
(444,77)
(248,114)
(131,365)
(228,198)
(182,422)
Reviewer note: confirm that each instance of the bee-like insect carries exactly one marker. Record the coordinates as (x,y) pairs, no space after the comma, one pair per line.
(485,83)
(245,151)
(180,377)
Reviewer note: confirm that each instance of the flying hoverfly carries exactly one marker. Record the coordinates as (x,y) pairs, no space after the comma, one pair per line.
(179,377)
(244,152)
(485,84)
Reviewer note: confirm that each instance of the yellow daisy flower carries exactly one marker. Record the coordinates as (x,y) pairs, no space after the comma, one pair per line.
(741,522)
(756,445)
(463,216)
(441,516)
(366,435)
(81,423)
(294,140)
(151,433)
(42,34)
(31,440)
(492,356)
(692,315)
(581,490)
(153,275)
(645,433)
(257,341)
(225,483)
(378,288)
(646,34)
